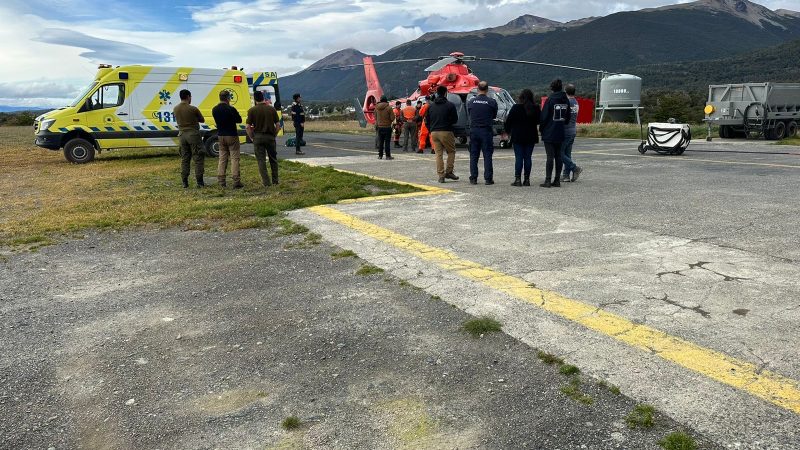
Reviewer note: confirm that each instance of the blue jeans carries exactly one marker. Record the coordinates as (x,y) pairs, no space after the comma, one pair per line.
(481,141)
(523,154)
(566,155)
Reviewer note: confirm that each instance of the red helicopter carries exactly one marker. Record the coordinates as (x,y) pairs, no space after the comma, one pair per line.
(450,71)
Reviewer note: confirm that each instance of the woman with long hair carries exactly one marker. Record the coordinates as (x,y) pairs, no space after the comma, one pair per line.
(555,116)
(521,124)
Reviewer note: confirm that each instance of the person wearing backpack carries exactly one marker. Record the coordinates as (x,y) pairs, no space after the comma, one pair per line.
(555,116)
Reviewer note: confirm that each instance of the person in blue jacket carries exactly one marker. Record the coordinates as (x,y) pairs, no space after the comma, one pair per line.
(482,111)
(555,116)
(521,123)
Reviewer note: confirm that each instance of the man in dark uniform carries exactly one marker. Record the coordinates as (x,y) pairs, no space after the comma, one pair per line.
(227,118)
(263,125)
(299,122)
(189,119)
(482,111)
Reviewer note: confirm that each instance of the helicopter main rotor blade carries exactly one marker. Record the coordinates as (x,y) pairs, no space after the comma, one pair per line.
(351,66)
(514,61)
(441,63)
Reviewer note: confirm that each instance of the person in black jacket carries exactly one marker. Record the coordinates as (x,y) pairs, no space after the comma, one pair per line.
(521,123)
(440,119)
(555,115)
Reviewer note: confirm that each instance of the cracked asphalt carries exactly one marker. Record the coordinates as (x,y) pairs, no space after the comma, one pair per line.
(190,339)
(702,247)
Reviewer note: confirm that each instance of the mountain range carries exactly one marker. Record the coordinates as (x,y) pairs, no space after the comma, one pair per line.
(656,43)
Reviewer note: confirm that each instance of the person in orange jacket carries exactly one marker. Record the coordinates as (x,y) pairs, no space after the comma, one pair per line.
(424,135)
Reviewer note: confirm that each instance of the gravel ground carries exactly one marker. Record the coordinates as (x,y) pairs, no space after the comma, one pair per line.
(188,339)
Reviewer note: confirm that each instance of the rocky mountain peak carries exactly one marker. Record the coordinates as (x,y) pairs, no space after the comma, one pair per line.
(340,58)
(745,9)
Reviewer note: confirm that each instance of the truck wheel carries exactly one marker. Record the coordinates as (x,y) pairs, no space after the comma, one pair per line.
(724,131)
(212,146)
(791,129)
(780,131)
(79,151)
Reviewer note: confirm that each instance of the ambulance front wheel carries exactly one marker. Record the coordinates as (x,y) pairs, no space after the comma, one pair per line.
(79,151)
(212,146)
(504,143)
(462,140)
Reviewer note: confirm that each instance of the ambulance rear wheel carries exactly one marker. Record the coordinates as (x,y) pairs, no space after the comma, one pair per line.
(212,146)
(462,140)
(79,151)
(504,143)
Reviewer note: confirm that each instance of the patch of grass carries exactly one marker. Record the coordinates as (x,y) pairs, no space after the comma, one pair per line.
(641,416)
(368,269)
(288,228)
(549,359)
(404,283)
(482,325)
(291,423)
(678,440)
(309,240)
(435,298)
(623,130)
(27,240)
(344,254)
(568,369)
(573,391)
(45,196)
(789,141)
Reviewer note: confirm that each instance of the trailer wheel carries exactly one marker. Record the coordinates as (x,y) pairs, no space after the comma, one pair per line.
(642,148)
(791,129)
(779,132)
(79,151)
(212,146)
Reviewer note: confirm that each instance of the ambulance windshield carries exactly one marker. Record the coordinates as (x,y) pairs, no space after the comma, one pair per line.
(83,94)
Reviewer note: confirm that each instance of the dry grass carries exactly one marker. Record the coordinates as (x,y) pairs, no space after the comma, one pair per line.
(611,130)
(333,126)
(42,196)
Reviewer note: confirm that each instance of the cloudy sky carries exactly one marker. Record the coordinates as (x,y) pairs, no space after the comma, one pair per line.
(51,48)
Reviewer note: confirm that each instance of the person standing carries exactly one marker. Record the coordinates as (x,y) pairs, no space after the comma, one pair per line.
(398,123)
(424,134)
(555,115)
(299,122)
(440,120)
(570,131)
(409,127)
(521,123)
(189,119)
(263,125)
(227,117)
(482,111)
(383,120)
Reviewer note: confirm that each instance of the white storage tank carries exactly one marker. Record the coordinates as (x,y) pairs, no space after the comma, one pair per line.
(620,90)
(620,98)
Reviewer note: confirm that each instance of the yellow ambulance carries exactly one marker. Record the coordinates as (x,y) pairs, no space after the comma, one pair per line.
(131,107)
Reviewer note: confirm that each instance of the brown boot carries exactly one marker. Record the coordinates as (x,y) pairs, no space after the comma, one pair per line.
(221,182)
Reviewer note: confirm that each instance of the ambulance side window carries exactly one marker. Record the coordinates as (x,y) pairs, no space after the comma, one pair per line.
(107,96)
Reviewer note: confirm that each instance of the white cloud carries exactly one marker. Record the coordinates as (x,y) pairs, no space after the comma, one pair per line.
(257,34)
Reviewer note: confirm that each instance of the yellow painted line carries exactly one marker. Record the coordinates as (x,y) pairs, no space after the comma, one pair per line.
(769,386)
(684,159)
